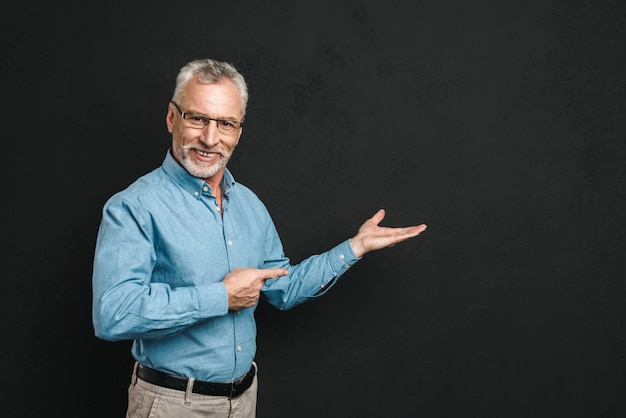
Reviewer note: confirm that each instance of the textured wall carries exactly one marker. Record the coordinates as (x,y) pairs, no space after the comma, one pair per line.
(499,124)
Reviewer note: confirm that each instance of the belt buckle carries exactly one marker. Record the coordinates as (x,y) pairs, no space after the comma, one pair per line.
(236,383)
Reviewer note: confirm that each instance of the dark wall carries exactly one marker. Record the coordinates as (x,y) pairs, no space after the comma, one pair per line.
(499,124)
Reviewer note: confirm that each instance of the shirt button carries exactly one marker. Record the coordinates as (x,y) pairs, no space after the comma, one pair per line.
(230,242)
(205,188)
(238,348)
(341,256)
(196,193)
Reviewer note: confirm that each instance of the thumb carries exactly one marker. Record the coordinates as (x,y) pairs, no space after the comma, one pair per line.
(378,216)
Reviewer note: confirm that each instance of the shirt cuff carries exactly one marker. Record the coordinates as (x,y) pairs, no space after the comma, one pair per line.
(212,300)
(342,257)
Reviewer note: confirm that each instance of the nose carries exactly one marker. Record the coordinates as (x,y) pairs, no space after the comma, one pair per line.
(210,134)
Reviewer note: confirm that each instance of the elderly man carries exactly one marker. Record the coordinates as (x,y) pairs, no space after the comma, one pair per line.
(185,252)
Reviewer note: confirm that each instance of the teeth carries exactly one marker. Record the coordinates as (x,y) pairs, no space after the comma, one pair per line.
(206,154)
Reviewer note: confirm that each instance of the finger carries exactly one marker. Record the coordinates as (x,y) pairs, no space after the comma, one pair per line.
(272,273)
(409,232)
(416,230)
(378,216)
(412,231)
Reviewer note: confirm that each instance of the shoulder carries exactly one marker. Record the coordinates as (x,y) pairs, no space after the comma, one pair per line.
(143,189)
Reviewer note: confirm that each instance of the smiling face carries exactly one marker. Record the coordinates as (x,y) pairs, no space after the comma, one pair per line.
(204,152)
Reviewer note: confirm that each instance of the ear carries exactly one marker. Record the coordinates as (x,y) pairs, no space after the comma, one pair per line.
(169,119)
(239,136)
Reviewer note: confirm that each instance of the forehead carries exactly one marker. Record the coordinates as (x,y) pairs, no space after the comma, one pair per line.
(221,99)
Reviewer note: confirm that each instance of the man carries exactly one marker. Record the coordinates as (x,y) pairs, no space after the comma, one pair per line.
(184,253)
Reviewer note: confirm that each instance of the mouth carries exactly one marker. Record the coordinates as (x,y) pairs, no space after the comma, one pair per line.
(206,155)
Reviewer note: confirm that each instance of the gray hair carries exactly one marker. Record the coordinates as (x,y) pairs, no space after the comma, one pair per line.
(211,71)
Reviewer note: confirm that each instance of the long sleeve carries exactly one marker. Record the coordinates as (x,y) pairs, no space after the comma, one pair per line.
(127,302)
(311,278)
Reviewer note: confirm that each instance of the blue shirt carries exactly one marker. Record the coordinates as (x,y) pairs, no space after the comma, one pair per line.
(162,251)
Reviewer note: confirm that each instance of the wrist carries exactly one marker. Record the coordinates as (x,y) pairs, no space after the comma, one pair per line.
(357,247)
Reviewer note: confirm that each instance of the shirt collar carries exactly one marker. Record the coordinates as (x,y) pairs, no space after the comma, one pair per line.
(193,185)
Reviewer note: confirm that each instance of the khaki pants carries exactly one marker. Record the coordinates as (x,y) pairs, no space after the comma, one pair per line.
(146,400)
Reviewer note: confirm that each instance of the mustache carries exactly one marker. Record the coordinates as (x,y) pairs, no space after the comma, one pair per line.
(216,150)
(201,148)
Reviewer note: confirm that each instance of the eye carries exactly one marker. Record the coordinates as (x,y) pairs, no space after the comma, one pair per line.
(198,120)
(226,124)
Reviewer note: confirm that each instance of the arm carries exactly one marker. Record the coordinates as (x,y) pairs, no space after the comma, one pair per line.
(151,280)
(130,299)
(315,275)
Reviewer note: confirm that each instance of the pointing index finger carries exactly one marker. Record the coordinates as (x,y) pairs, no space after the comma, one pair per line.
(272,273)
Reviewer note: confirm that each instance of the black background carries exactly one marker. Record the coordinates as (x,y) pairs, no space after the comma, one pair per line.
(500,124)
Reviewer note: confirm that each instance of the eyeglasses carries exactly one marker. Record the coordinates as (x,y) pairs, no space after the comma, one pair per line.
(225,126)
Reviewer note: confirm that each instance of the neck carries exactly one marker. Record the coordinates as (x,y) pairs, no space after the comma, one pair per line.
(215,182)
(216,188)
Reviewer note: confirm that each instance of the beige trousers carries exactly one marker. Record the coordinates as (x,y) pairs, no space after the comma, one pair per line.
(146,400)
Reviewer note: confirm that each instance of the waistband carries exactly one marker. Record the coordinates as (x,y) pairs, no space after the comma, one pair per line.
(231,389)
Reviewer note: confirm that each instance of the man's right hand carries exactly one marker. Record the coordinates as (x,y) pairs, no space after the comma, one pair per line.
(244,285)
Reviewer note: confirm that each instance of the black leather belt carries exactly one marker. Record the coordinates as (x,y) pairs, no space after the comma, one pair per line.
(170,381)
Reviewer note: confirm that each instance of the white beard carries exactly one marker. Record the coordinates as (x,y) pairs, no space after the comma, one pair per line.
(201,170)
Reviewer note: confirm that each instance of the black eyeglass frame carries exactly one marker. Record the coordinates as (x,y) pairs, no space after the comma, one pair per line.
(221,123)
